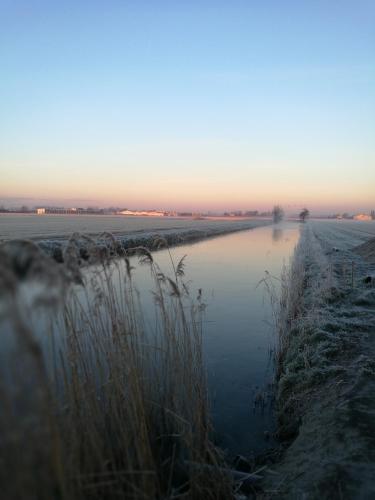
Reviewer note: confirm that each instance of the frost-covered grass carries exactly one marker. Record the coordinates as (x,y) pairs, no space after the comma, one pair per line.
(52,231)
(93,405)
(342,234)
(307,285)
(326,367)
(148,238)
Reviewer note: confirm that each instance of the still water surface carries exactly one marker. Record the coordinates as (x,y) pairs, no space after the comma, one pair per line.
(238,330)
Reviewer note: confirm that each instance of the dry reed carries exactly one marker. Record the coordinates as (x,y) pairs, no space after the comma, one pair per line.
(95,404)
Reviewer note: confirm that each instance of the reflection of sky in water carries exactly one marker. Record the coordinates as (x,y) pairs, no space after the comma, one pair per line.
(277,234)
(237,329)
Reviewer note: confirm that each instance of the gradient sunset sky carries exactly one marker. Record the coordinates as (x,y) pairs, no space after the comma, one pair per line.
(188,105)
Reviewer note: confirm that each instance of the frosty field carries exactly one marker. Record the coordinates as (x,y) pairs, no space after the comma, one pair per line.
(326,365)
(343,234)
(51,232)
(60,227)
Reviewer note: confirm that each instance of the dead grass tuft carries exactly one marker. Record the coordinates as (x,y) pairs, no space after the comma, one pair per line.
(94,404)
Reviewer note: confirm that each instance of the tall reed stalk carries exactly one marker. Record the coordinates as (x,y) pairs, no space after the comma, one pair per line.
(95,404)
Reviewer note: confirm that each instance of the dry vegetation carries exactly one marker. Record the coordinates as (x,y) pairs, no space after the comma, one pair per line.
(94,404)
(306,284)
(326,370)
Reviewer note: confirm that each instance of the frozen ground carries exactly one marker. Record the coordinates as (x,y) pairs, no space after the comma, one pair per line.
(343,234)
(51,232)
(326,398)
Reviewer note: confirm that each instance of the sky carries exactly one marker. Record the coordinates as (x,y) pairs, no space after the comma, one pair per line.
(193,105)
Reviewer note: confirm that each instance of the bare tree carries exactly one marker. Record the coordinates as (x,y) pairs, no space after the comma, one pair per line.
(277,213)
(303,215)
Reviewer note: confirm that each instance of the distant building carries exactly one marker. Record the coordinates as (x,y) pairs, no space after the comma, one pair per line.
(343,216)
(146,213)
(362,217)
(40,211)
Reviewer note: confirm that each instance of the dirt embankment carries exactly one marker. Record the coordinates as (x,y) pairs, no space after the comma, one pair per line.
(326,402)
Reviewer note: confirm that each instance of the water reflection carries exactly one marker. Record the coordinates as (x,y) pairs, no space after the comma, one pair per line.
(277,234)
(238,334)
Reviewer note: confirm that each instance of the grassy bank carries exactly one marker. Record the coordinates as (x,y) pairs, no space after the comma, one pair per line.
(326,371)
(94,403)
(146,233)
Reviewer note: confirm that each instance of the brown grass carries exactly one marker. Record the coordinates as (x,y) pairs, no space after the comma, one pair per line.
(95,404)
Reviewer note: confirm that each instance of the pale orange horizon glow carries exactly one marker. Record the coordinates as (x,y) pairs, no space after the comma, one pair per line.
(170,114)
(204,194)
(195,176)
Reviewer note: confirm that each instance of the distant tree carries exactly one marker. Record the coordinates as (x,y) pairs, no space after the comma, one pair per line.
(277,214)
(303,215)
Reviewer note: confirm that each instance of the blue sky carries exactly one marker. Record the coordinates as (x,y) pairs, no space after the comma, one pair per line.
(189,104)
